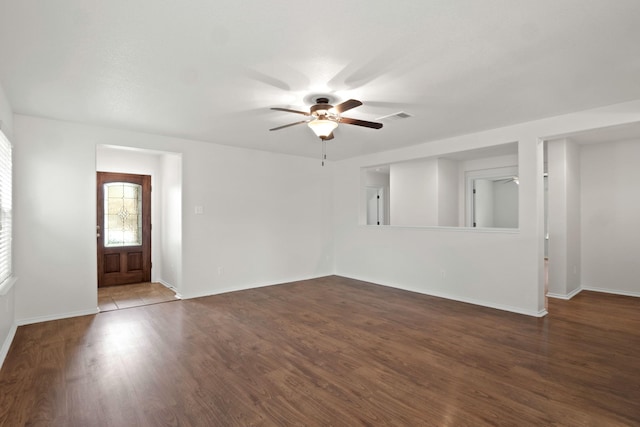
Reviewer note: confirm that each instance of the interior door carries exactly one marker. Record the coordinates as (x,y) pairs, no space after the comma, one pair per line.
(123,228)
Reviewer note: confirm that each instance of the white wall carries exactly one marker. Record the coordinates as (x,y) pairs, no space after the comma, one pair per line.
(574,218)
(7,292)
(484,203)
(414,192)
(266,216)
(267,219)
(505,204)
(497,268)
(564,218)
(171,251)
(448,193)
(6,115)
(610,217)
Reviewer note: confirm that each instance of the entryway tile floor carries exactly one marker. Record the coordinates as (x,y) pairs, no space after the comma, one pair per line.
(126,296)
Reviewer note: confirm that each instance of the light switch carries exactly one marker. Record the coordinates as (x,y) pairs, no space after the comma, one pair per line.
(199,210)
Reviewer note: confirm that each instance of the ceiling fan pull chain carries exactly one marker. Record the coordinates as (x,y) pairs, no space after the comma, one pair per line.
(324,151)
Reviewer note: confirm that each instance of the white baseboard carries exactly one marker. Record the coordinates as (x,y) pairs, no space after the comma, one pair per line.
(444,295)
(6,345)
(566,297)
(227,289)
(166,284)
(31,320)
(612,291)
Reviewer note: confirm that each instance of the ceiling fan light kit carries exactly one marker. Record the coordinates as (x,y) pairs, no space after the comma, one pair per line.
(323,128)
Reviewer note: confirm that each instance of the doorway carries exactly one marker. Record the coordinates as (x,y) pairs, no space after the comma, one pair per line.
(376,203)
(123,235)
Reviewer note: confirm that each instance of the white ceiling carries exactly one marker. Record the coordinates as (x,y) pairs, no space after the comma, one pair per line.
(210,70)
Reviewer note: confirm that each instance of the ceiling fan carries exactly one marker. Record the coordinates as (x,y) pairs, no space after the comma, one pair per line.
(323,118)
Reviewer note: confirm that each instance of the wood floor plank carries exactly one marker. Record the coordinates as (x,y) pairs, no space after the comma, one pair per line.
(329,351)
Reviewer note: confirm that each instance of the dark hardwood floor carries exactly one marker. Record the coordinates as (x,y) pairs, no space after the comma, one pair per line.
(329,351)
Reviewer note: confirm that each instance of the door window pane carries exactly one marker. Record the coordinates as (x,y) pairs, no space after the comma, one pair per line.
(123,214)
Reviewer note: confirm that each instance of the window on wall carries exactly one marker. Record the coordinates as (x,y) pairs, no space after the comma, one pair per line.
(122,214)
(5,208)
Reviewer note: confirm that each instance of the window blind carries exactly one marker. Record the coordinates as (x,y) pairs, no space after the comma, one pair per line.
(5,208)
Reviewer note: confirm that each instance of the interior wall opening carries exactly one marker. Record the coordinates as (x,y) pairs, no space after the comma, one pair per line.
(165,169)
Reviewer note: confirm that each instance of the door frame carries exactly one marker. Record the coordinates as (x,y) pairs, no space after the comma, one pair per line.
(489,174)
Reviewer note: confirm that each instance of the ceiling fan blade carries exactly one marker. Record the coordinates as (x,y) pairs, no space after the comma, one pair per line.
(372,125)
(290,111)
(347,105)
(290,124)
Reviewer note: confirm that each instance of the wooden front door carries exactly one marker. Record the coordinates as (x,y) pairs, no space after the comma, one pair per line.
(124,228)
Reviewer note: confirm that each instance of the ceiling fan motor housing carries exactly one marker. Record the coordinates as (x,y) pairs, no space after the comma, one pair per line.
(321,108)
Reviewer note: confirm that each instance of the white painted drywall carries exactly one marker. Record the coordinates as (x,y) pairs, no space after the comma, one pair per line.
(484,203)
(503,269)
(610,216)
(505,204)
(574,217)
(448,193)
(498,269)
(557,218)
(266,217)
(54,238)
(7,296)
(171,223)
(564,217)
(6,115)
(414,193)
(376,179)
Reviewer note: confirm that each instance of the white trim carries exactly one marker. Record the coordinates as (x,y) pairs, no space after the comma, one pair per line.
(170,287)
(517,310)
(566,297)
(7,343)
(6,286)
(612,291)
(29,321)
(166,284)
